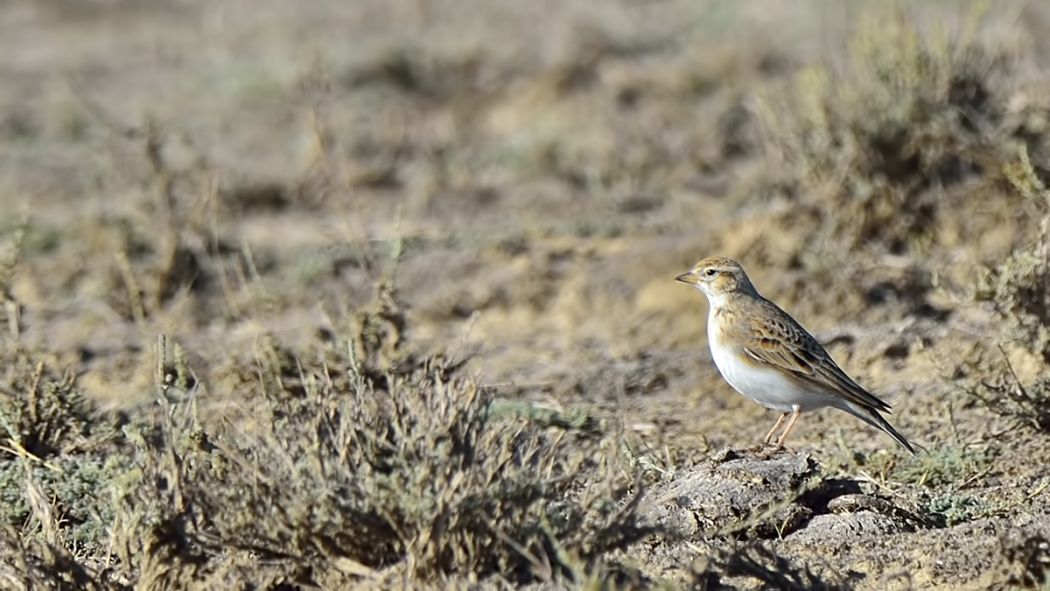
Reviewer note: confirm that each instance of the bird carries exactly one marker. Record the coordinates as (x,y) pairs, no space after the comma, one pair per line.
(766,355)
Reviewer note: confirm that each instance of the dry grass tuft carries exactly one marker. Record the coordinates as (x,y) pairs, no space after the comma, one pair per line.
(30,563)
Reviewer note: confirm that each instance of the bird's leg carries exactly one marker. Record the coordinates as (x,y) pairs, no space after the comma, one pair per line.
(791,425)
(769,436)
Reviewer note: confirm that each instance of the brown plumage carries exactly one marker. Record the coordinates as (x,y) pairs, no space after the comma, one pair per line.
(769,357)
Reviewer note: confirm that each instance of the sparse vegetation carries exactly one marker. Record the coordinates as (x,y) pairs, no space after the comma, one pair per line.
(901,134)
(946,465)
(380,294)
(333,477)
(1005,394)
(1019,290)
(951,509)
(55,478)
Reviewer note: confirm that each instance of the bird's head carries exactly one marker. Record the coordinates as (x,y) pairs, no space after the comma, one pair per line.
(717,277)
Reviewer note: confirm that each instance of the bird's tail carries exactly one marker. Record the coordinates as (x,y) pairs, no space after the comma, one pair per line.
(873,418)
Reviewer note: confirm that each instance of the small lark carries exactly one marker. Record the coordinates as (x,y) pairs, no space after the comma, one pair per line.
(767,356)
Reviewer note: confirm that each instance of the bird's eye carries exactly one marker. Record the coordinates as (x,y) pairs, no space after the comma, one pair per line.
(710,273)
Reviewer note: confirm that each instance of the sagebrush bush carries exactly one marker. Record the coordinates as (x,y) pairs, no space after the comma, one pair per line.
(55,471)
(41,412)
(1019,287)
(1019,291)
(870,145)
(332,477)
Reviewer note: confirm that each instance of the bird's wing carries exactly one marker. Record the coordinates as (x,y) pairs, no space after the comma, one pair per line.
(775,339)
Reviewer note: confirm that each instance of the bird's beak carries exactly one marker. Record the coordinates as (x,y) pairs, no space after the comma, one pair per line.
(688,277)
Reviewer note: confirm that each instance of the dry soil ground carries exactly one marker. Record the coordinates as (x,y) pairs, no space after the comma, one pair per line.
(321,201)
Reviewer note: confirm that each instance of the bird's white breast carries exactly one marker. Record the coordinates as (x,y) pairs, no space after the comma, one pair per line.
(766,386)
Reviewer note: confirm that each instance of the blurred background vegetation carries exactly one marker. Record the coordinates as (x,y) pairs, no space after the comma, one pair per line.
(332,294)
